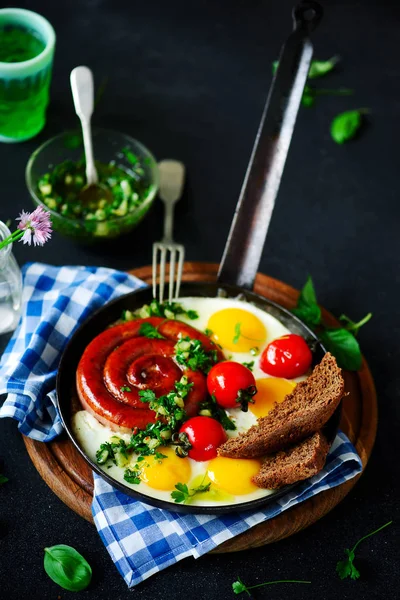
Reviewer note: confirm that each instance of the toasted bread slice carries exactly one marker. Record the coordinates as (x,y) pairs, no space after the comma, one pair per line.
(299,462)
(303,412)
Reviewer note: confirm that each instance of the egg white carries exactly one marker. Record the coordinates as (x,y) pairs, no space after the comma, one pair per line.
(90,433)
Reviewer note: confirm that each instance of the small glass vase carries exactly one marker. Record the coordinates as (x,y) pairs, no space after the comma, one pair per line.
(10,286)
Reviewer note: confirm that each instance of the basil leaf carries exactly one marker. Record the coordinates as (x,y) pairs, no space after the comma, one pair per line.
(322,67)
(344,347)
(311,315)
(345,125)
(307,308)
(66,567)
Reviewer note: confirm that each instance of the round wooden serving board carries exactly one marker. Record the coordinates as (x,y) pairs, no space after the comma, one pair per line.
(68,475)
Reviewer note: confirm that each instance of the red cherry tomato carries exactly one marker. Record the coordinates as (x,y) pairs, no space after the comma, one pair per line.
(205,435)
(287,356)
(229,381)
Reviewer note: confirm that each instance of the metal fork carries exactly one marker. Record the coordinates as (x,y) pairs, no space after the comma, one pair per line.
(172,177)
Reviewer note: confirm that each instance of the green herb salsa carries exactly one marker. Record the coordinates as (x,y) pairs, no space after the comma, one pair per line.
(125,190)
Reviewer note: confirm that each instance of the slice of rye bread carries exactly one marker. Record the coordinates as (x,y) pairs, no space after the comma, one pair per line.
(299,462)
(303,412)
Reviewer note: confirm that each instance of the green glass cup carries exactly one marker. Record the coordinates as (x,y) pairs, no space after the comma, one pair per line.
(27,42)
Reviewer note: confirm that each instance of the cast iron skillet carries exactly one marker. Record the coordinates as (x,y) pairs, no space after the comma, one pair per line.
(242,252)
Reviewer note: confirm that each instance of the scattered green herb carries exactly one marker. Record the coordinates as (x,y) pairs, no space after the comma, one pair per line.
(345,125)
(249,365)
(237,333)
(183,494)
(346,568)
(208,332)
(210,408)
(125,388)
(3,478)
(239,587)
(168,310)
(66,567)
(132,476)
(339,341)
(191,354)
(148,330)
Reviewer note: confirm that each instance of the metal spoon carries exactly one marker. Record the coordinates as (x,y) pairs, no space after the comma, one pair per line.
(81,79)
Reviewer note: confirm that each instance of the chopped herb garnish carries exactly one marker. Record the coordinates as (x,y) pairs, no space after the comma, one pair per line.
(3,478)
(125,388)
(210,408)
(249,365)
(208,332)
(346,568)
(191,354)
(132,476)
(237,333)
(168,310)
(147,396)
(183,494)
(239,587)
(148,330)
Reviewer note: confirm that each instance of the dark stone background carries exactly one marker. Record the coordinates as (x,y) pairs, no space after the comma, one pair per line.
(189,79)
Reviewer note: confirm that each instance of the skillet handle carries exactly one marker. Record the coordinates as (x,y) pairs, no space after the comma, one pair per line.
(253,213)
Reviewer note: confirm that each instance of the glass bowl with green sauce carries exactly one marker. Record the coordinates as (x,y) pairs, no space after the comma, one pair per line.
(128,173)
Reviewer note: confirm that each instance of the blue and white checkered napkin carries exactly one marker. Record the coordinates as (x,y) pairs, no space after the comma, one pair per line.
(140,539)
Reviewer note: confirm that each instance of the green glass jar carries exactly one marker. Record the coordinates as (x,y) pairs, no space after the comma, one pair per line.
(27,42)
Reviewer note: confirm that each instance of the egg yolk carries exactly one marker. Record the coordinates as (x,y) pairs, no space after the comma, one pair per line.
(236,329)
(269,391)
(233,475)
(164,473)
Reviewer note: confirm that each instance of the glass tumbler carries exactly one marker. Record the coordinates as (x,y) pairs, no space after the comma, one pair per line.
(10,285)
(24,84)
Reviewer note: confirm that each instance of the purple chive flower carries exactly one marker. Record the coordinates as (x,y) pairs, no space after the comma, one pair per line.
(36,226)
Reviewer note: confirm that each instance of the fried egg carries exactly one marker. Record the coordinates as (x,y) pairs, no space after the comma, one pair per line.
(243,331)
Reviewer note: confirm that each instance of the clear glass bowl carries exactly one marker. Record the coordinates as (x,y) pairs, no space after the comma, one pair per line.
(108,146)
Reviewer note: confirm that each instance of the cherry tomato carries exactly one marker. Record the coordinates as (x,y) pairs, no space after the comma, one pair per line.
(230,382)
(287,356)
(205,435)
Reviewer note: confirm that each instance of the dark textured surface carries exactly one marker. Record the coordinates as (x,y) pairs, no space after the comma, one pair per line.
(189,80)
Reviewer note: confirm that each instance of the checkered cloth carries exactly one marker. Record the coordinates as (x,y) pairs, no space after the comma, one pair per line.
(140,539)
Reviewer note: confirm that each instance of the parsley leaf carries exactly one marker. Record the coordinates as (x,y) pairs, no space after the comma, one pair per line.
(148,330)
(346,568)
(125,388)
(182,495)
(147,396)
(239,586)
(249,365)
